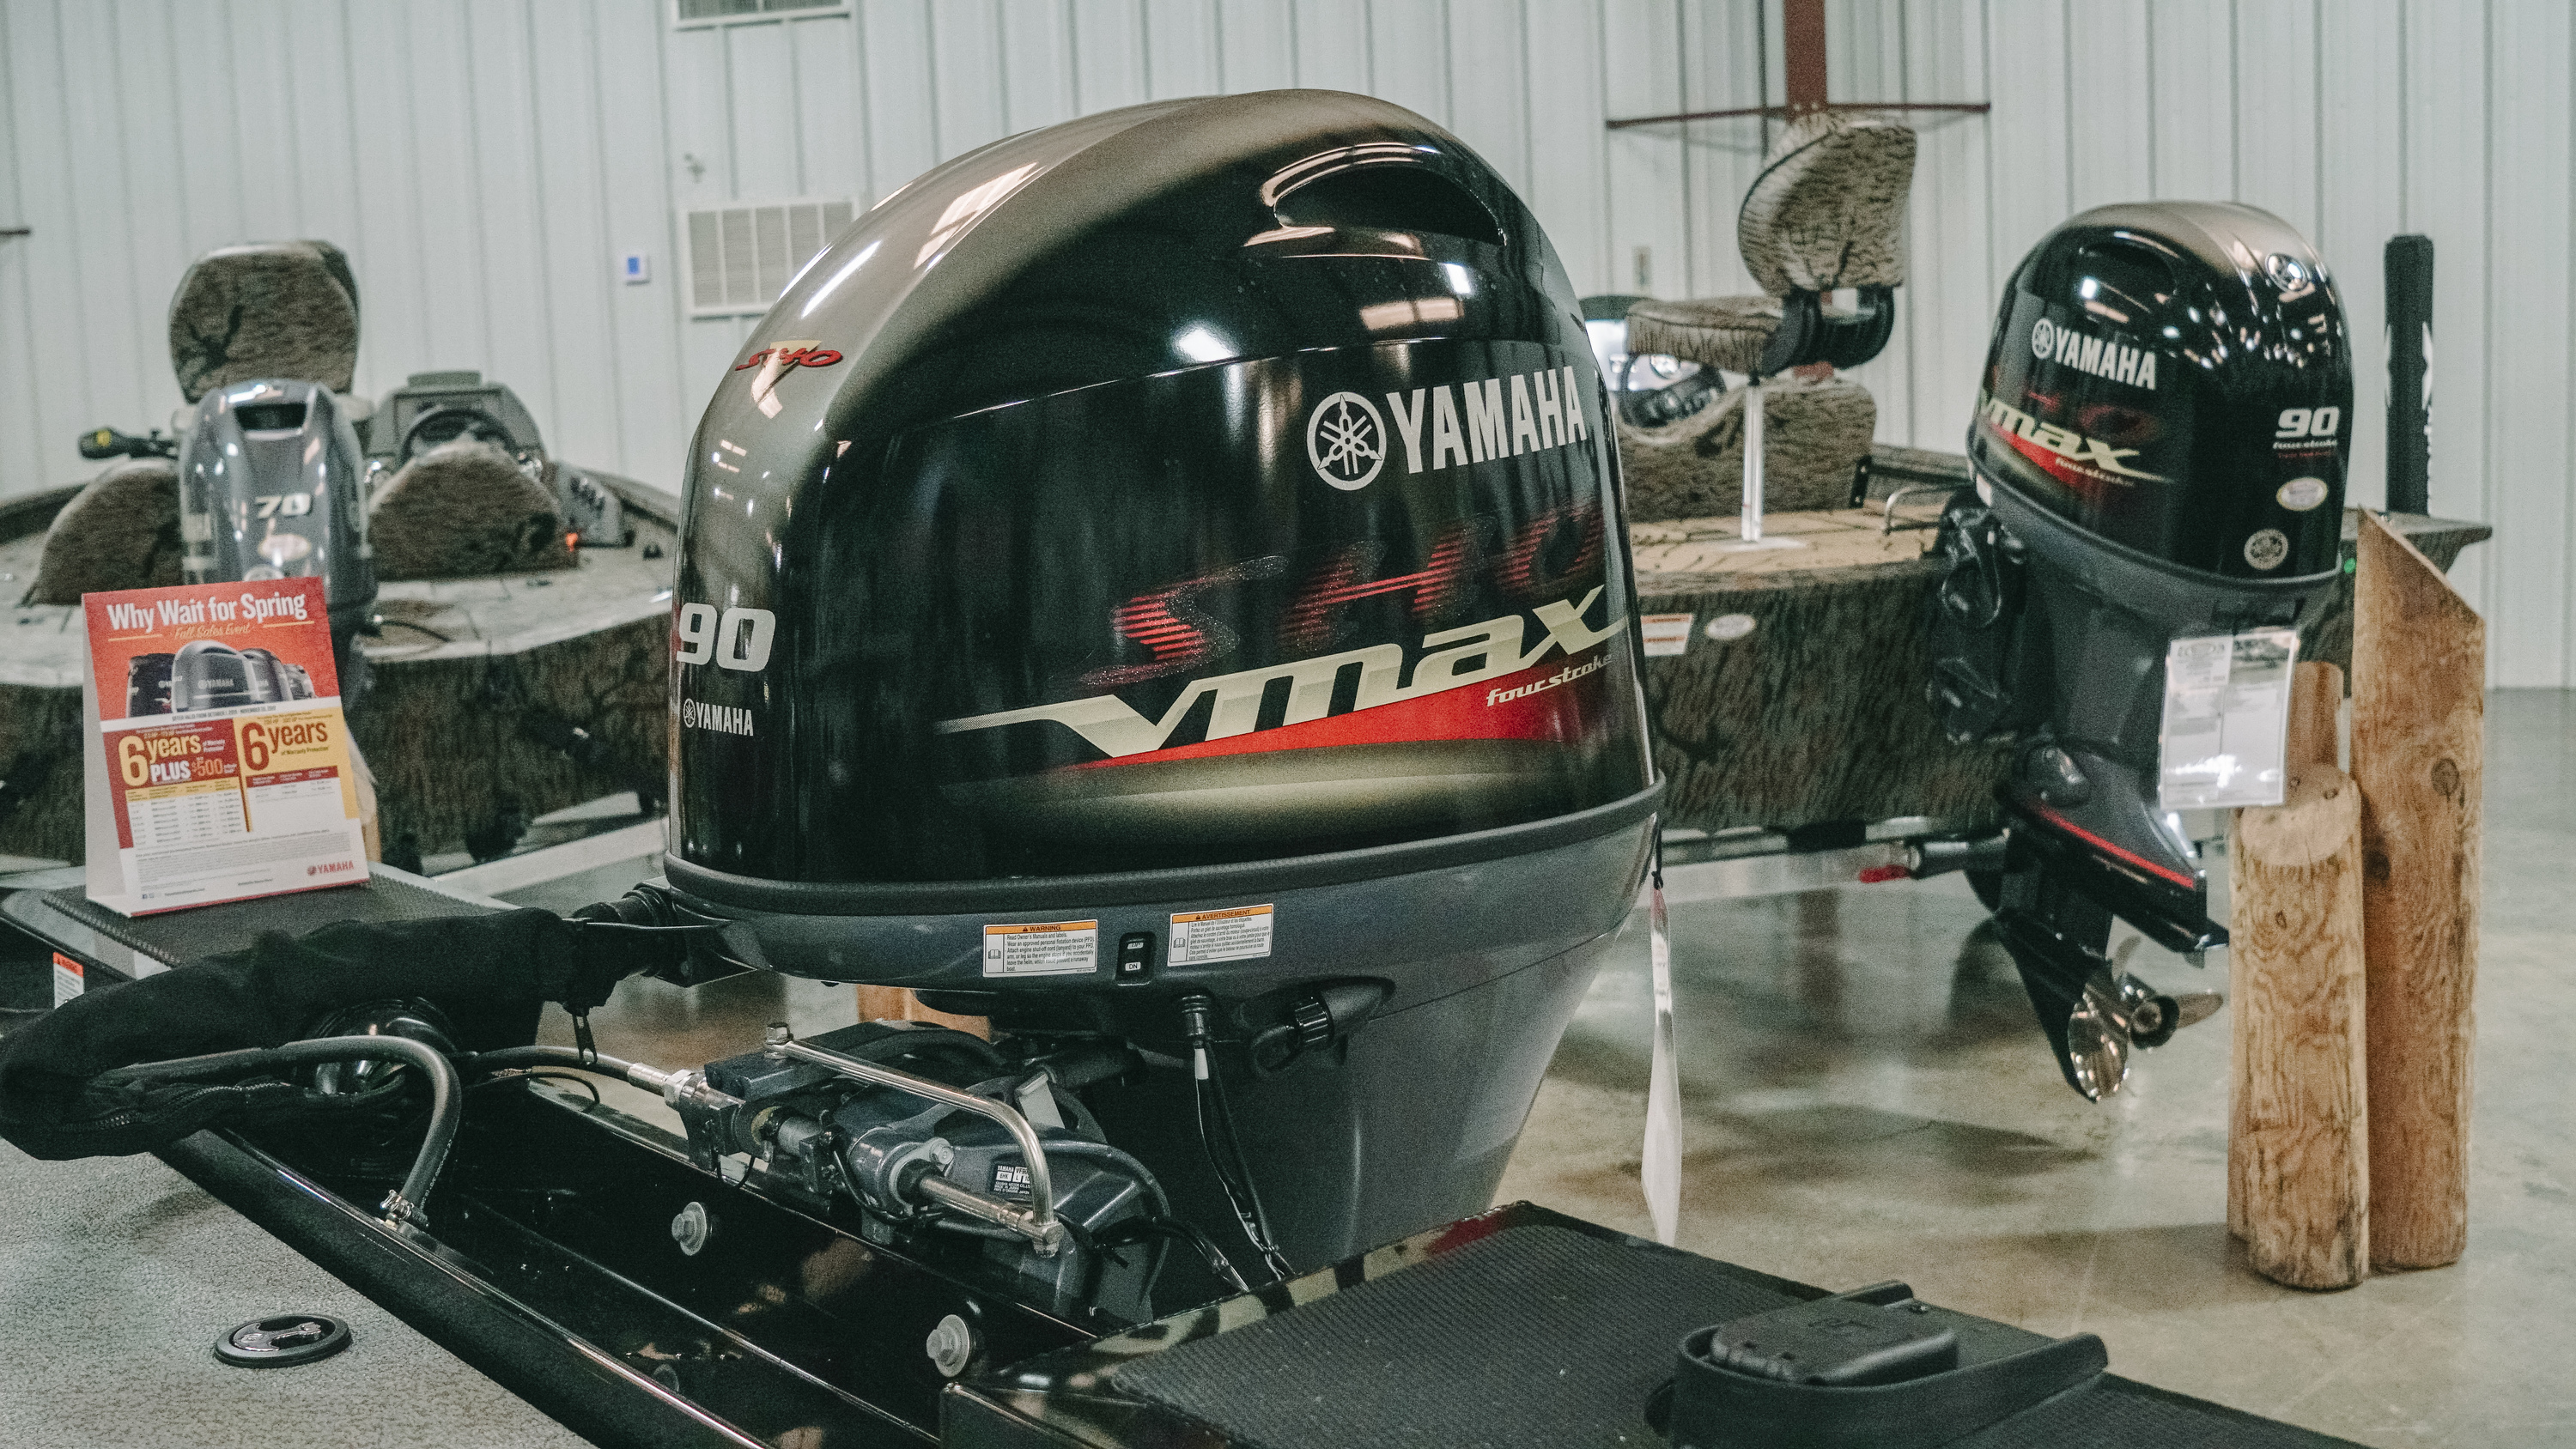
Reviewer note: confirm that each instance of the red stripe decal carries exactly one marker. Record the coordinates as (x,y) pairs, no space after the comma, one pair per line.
(2133,858)
(1567,712)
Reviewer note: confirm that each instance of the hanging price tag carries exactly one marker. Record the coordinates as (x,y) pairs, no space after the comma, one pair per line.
(2226,720)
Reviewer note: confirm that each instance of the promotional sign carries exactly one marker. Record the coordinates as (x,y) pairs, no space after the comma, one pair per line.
(222,770)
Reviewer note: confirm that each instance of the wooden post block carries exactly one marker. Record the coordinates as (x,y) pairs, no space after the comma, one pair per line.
(2316,697)
(894,1003)
(2418,754)
(2298,1138)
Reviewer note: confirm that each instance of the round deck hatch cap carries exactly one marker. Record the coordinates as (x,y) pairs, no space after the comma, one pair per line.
(283,1340)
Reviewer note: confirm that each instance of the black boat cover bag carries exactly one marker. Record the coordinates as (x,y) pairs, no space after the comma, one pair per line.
(488,973)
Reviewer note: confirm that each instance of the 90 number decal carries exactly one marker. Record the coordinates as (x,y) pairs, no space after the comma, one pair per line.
(739,638)
(2308,423)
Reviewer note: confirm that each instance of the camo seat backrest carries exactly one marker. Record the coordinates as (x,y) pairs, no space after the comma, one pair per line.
(284,309)
(121,531)
(1828,209)
(464,509)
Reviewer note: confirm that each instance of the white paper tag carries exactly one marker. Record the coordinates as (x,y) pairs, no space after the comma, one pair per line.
(1042,948)
(1665,634)
(2226,720)
(1659,1170)
(1203,937)
(68,979)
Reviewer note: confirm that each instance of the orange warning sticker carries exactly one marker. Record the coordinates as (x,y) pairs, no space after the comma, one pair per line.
(1239,934)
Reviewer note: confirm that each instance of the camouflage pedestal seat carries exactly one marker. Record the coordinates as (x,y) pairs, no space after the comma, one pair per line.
(1813,435)
(1822,232)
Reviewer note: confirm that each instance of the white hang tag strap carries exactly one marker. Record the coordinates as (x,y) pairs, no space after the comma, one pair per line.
(1661,1170)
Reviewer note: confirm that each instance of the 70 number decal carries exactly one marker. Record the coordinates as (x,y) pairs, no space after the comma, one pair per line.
(739,638)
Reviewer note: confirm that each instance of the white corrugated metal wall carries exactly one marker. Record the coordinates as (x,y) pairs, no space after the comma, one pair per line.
(2354,120)
(484,161)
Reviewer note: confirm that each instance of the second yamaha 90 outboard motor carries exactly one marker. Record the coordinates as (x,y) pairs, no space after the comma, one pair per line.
(2159,454)
(1160,580)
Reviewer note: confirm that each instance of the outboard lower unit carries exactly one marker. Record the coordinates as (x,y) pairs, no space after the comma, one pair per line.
(2159,454)
(1160,580)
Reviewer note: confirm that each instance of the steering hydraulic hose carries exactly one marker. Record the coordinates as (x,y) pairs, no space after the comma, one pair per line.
(407,1205)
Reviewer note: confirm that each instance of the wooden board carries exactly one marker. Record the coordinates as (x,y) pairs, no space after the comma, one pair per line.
(2418,753)
(2298,1136)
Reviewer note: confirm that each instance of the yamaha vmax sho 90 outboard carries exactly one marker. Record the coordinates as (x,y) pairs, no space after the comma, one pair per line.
(2159,453)
(1160,580)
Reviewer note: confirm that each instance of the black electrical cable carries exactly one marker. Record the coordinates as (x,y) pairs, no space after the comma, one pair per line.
(1187,1233)
(446,1094)
(1259,1222)
(1245,1200)
(539,1075)
(509,1058)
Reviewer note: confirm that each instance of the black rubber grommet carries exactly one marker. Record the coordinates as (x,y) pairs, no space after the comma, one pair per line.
(283,1340)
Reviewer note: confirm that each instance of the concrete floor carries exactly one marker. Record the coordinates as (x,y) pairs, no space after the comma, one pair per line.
(1866,1098)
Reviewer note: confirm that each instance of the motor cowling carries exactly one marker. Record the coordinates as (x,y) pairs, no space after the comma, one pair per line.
(2174,378)
(1206,482)
(2159,451)
(272,484)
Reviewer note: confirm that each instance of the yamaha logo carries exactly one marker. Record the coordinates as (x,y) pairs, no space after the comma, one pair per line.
(1346,441)
(2056,342)
(2267,548)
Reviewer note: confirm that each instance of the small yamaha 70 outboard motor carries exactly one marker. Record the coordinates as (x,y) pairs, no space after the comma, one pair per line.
(272,485)
(1160,579)
(2159,454)
(272,480)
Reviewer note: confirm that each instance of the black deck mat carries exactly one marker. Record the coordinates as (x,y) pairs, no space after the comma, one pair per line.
(1535,1338)
(1543,1338)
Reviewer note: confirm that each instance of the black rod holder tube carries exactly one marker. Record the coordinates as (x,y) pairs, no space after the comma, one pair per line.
(2409,261)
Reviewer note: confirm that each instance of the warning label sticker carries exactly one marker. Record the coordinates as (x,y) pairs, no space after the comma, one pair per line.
(1042,948)
(1240,934)
(68,982)
(1665,634)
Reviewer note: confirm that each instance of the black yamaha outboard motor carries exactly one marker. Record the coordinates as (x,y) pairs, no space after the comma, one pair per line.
(1160,579)
(2159,454)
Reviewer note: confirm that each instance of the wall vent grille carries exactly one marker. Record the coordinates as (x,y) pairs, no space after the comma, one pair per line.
(742,257)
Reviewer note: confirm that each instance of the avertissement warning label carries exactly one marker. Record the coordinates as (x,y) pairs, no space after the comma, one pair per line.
(68,981)
(1042,948)
(1240,934)
(1666,635)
